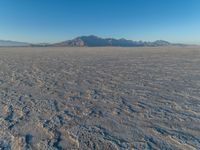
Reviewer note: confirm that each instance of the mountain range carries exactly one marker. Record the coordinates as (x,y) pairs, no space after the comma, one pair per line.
(13,43)
(95,41)
(91,41)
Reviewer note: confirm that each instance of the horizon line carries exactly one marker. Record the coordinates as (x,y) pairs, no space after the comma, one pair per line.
(103,37)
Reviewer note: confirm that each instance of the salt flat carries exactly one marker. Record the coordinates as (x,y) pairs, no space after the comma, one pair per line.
(100,98)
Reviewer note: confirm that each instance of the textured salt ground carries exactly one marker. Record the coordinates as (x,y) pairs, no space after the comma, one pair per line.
(100,98)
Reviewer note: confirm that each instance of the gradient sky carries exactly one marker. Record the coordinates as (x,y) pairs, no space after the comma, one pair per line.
(59,20)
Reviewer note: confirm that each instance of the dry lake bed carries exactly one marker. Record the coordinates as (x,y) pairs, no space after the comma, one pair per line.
(100,98)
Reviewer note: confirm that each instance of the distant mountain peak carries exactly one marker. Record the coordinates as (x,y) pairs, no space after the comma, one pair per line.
(162,41)
(95,41)
(89,36)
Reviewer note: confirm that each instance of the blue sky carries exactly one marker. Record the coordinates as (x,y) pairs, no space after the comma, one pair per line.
(58,20)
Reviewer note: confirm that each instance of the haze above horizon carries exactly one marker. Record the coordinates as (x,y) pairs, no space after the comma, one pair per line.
(38,21)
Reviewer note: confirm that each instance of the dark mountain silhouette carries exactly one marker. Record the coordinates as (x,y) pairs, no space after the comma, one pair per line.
(94,41)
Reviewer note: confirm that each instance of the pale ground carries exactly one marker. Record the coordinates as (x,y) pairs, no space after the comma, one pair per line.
(100,98)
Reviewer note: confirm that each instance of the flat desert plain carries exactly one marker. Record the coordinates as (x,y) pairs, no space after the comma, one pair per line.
(100,98)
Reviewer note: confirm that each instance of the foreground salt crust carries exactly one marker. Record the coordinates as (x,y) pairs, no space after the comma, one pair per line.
(100,98)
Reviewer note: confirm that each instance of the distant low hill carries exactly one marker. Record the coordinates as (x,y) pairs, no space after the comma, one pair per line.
(13,43)
(94,41)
